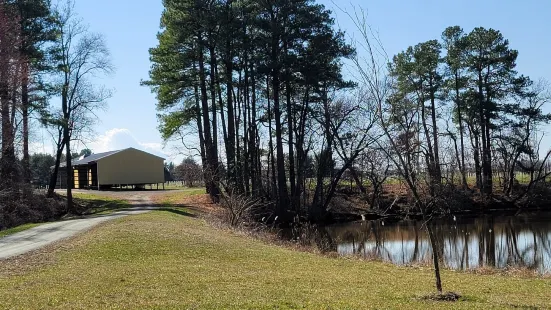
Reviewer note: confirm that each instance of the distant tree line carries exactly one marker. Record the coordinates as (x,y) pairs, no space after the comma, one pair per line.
(188,172)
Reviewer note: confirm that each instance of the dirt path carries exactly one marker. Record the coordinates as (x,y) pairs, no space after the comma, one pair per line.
(40,236)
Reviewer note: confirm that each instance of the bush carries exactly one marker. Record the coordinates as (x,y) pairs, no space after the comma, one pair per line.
(239,208)
(23,205)
(311,235)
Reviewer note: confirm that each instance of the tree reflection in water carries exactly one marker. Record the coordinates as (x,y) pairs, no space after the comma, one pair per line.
(467,243)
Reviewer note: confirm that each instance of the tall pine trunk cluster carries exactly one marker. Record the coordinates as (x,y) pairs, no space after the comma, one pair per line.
(24,27)
(253,73)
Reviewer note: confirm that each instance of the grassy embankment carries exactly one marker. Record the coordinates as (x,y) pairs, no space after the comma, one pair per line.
(172,259)
(97,204)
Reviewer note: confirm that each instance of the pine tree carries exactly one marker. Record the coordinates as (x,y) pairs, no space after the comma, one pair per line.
(493,79)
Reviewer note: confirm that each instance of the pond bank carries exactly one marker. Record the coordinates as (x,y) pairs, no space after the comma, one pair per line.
(165,259)
(464,242)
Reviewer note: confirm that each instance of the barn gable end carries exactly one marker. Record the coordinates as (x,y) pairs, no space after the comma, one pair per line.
(130,167)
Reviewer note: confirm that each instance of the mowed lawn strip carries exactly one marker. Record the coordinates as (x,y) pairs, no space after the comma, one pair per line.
(164,259)
(98,204)
(20,228)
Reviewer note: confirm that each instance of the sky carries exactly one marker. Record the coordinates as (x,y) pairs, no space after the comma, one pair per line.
(130,28)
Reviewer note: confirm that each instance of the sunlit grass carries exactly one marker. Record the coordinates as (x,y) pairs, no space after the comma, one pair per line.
(167,260)
(17,229)
(177,196)
(179,185)
(98,204)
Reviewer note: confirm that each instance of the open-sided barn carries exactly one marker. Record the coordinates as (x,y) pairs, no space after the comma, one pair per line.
(116,168)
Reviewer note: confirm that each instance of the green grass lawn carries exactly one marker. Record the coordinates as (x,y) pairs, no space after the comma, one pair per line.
(169,259)
(17,229)
(98,204)
(178,185)
(174,197)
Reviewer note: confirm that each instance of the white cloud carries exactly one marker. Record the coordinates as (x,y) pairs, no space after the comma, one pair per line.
(122,138)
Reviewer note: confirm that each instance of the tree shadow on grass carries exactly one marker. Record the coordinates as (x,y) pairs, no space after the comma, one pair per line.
(100,208)
(97,206)
(179,210)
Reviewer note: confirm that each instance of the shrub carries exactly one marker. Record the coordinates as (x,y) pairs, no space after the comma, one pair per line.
(239,208)
(23,205)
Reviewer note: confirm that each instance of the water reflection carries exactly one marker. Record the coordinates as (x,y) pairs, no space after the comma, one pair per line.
(466,243)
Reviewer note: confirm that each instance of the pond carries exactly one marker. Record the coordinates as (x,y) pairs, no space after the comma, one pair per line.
(464,243)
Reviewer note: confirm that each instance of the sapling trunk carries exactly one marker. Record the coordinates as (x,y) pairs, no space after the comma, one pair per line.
(435,260)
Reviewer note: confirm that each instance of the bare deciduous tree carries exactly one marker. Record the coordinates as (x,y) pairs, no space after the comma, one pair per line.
(378,86)
(81,57)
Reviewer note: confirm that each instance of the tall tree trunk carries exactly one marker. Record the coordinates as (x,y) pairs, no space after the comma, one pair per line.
(55,172)
(222,115)
(204,163)
(430,154)
(231,148)
(271,142)
(486,179)
(437,169)
(212,157)
(253,146)
(487,132)
(290,129)
(25,120)
(213,65)
(246,122)
(300,148)
(238,151)
(283,201)
(461,132)
(7,161)
(477,164)
(488,156)
(435,258)
(68,166)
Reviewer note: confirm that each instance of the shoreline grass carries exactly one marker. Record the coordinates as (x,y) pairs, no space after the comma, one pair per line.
(170,259)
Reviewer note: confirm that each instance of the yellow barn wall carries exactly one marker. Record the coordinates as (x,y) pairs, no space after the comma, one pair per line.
(130,166)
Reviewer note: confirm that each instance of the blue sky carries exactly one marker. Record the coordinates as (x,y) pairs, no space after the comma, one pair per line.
(130,29)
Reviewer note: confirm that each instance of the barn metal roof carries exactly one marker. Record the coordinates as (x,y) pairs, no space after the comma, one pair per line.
(94,157)
(98,156)
(91,158)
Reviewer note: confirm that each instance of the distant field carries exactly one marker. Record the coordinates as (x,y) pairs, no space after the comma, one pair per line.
(178,185)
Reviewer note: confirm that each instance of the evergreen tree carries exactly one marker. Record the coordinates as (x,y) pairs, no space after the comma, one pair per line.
(37,29)
(493,79)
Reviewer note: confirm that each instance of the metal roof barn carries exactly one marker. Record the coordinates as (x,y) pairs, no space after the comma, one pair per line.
(116,168)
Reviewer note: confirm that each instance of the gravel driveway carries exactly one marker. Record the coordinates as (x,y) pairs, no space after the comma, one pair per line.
(40,236)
